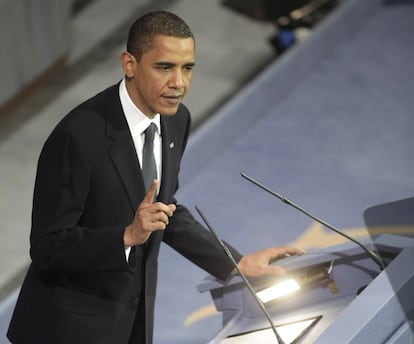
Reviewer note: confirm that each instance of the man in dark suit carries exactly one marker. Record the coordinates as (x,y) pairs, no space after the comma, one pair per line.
(96,229)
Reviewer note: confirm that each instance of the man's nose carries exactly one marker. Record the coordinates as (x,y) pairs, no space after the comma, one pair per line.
(177,79)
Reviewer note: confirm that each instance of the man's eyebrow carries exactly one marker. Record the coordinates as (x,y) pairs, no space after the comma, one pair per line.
(164,64)
(170,64)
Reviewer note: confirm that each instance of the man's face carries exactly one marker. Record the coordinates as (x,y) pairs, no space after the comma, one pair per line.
(159,81)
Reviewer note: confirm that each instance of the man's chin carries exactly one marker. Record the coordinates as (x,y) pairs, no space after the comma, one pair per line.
(169,111)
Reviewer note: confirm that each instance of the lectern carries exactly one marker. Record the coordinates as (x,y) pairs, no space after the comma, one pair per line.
(343,297)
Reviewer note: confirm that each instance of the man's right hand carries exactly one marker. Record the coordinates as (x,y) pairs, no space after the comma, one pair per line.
(149,217)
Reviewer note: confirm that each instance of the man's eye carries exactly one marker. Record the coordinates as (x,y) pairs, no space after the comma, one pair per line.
(163,67)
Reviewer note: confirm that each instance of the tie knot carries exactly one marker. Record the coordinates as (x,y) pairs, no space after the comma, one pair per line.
(150,132)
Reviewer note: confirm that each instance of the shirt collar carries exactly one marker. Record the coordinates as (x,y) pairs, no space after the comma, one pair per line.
(136,119)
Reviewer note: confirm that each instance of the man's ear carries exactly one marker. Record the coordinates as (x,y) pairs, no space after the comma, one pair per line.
(128,62)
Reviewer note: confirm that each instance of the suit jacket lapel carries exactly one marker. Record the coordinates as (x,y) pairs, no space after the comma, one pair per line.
(124,156)
(168,144)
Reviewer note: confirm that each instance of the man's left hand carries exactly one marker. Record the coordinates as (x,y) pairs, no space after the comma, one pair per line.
(257,264)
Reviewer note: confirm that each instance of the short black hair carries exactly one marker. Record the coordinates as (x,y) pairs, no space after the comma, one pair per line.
(143,31)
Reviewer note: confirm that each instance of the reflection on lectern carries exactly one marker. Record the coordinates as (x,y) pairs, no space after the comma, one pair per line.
(290,333)
(343,297)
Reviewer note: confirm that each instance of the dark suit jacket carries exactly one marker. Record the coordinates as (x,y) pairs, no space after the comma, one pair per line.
(80,287)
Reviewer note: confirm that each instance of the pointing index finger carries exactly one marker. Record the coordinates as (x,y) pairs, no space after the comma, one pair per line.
(150,196)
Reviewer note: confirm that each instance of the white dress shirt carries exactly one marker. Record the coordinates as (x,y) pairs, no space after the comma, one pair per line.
(138,123)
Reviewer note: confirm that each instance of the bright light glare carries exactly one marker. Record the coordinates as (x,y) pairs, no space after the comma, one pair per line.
(278,290)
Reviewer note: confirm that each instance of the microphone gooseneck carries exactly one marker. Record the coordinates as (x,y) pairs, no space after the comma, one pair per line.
(376,258)
(244,278)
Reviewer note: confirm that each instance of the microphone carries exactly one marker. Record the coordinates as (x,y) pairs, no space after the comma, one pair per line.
(375,257)
(242,275)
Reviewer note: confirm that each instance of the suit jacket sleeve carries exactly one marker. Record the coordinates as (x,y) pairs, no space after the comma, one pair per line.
(187,236)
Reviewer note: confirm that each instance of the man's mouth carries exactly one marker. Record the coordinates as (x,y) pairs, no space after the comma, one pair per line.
(173,99)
